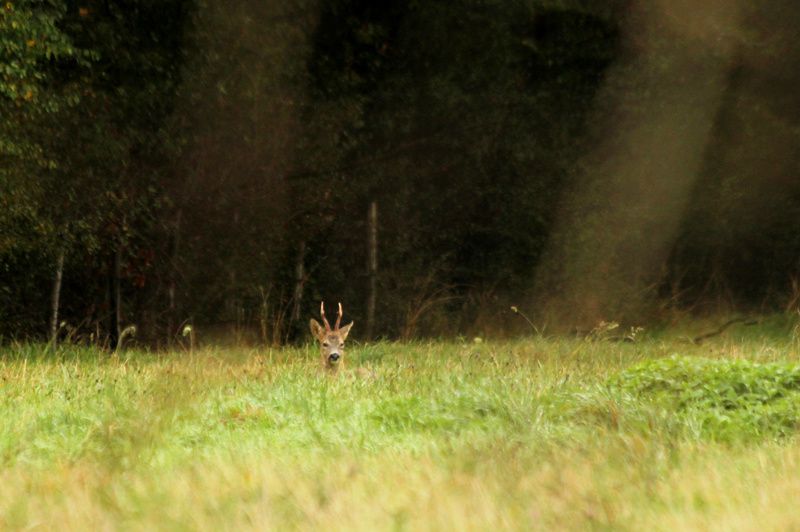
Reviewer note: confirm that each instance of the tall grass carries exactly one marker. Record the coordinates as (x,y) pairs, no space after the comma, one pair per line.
(531,434)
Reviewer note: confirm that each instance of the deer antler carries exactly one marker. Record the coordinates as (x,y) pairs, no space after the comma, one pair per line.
(338,318)
(322,313)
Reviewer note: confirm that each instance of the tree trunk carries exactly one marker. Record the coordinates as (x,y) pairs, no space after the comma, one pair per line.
(372,266)
(173,282)
(116,303)
(56,298)
(299,281)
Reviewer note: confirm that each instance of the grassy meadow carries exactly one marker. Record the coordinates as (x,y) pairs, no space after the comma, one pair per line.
(656,433)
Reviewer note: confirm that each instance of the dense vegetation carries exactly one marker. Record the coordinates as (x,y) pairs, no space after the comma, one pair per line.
(657,434)
(184,161)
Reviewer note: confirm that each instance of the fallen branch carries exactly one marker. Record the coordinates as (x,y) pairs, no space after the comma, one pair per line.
(719,330)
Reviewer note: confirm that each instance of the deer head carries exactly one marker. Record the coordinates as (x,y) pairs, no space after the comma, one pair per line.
(331,340)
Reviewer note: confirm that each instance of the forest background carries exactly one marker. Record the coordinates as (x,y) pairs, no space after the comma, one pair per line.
(431,164)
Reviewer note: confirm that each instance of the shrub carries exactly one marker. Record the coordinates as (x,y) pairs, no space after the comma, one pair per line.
(728,400)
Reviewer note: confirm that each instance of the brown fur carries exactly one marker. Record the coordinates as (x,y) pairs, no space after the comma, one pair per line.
(331,341)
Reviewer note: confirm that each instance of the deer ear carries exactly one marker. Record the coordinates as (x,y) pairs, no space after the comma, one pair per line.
(344,331)
(316,329)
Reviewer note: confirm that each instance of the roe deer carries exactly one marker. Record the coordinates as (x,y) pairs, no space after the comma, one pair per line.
(331,340)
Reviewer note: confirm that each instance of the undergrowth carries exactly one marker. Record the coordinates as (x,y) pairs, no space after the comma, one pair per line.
(727,400)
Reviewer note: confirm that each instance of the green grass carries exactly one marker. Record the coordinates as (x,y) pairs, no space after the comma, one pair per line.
(533,434)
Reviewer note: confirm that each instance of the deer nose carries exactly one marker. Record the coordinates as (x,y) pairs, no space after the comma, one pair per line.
(333,357)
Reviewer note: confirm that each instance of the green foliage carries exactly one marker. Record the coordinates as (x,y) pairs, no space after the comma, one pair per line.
(32,40)
(84,96)
(726,400)
(29,38)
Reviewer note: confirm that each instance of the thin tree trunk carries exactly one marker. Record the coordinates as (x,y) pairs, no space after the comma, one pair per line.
(233,301)
(171,312)
(116,302)
(56,298)
(299,281)
(173,274)
(372,266)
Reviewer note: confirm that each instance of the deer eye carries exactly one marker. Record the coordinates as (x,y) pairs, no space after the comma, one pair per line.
(325,344)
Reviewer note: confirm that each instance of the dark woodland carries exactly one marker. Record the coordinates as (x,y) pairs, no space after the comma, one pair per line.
(442,168)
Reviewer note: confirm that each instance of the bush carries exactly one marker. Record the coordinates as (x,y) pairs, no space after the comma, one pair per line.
(728,400)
